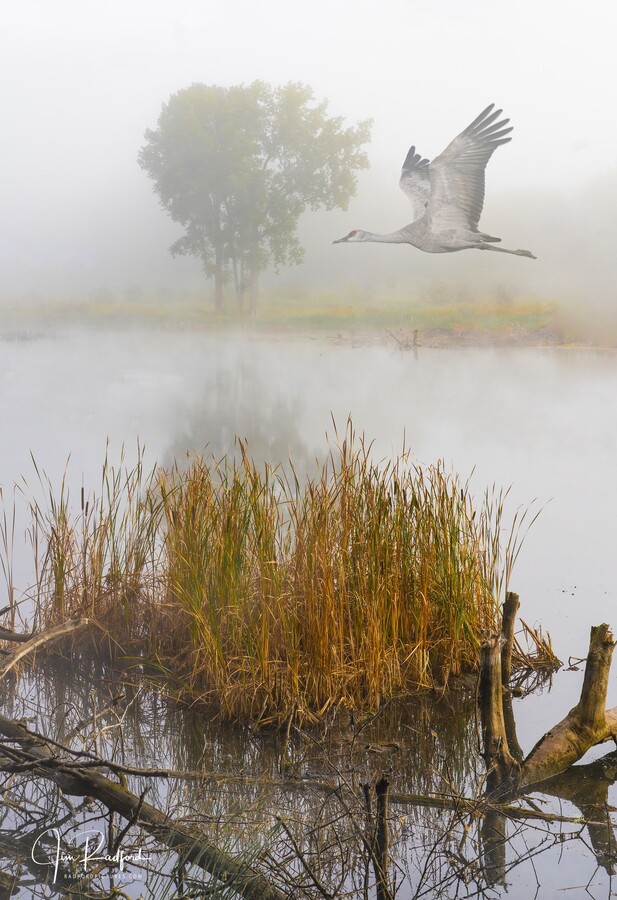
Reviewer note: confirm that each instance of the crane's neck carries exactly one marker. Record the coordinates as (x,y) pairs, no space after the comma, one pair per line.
(394,237)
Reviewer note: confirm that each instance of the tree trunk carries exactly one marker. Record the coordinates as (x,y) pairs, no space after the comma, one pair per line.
(254,290)
(508,619)
(218,280)
(377,840)
(587,724)
(253,262)
(382,840)
(242,279)
(238,286)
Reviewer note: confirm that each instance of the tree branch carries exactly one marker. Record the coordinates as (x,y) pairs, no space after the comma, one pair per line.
(43,637)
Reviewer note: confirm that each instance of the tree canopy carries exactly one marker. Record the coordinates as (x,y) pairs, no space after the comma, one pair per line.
(237,166)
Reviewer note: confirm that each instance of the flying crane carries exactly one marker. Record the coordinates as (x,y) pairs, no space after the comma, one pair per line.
(447,194)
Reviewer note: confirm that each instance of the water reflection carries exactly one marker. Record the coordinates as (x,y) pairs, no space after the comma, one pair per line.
(235,403)
(239,785)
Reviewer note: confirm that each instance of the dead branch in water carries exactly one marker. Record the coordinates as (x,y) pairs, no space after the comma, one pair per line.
(497,756)
(35,641)
(14,636)
(188,841)
(510,609)
(587,724)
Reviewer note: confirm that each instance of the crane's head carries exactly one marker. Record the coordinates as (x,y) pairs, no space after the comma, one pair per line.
(353,236)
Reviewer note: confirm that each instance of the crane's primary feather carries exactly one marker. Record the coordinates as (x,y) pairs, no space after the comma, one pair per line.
(457,174)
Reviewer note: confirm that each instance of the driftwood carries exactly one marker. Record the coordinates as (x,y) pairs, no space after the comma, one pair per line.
(188,841)
(508,620)
(33,641)
(500,762)
(587,724)
(549,762)
(14,636)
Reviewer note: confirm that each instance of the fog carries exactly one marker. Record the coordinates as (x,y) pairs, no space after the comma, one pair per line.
(81,83)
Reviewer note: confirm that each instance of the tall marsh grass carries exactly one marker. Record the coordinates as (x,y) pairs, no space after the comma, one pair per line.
(268,594)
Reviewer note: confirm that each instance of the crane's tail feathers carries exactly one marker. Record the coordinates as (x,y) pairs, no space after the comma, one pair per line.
(489,237)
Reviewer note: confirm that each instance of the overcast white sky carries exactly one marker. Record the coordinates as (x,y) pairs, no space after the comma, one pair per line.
(80,81)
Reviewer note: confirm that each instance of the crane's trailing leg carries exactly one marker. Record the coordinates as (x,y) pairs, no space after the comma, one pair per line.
(527,253)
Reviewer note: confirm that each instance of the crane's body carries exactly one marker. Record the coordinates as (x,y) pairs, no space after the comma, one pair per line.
(447,195)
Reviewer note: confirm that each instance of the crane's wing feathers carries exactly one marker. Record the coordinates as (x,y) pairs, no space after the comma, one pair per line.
(457,175)
(416,181)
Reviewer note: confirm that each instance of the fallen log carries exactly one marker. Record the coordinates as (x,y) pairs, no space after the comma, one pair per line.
(587,724)
(16,637)
(187,841)
(37,640)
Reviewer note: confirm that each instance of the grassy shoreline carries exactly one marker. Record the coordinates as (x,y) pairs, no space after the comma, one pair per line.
(527,320)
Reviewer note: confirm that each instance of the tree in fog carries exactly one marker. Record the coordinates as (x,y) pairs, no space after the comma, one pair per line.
(237,166)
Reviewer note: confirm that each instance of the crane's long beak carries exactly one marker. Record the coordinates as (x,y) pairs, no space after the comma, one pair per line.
(341,240)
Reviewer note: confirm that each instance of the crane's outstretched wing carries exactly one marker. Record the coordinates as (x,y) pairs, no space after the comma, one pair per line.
(457,174)
(416,182)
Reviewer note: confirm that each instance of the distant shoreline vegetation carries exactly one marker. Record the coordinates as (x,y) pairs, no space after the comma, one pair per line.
(518,320)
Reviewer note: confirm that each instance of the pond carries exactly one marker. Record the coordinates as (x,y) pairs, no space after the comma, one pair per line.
(541,420)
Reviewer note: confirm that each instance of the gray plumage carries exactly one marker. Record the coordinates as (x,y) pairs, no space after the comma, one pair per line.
(447,194)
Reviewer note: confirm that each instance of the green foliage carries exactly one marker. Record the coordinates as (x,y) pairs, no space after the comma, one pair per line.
(236,167)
